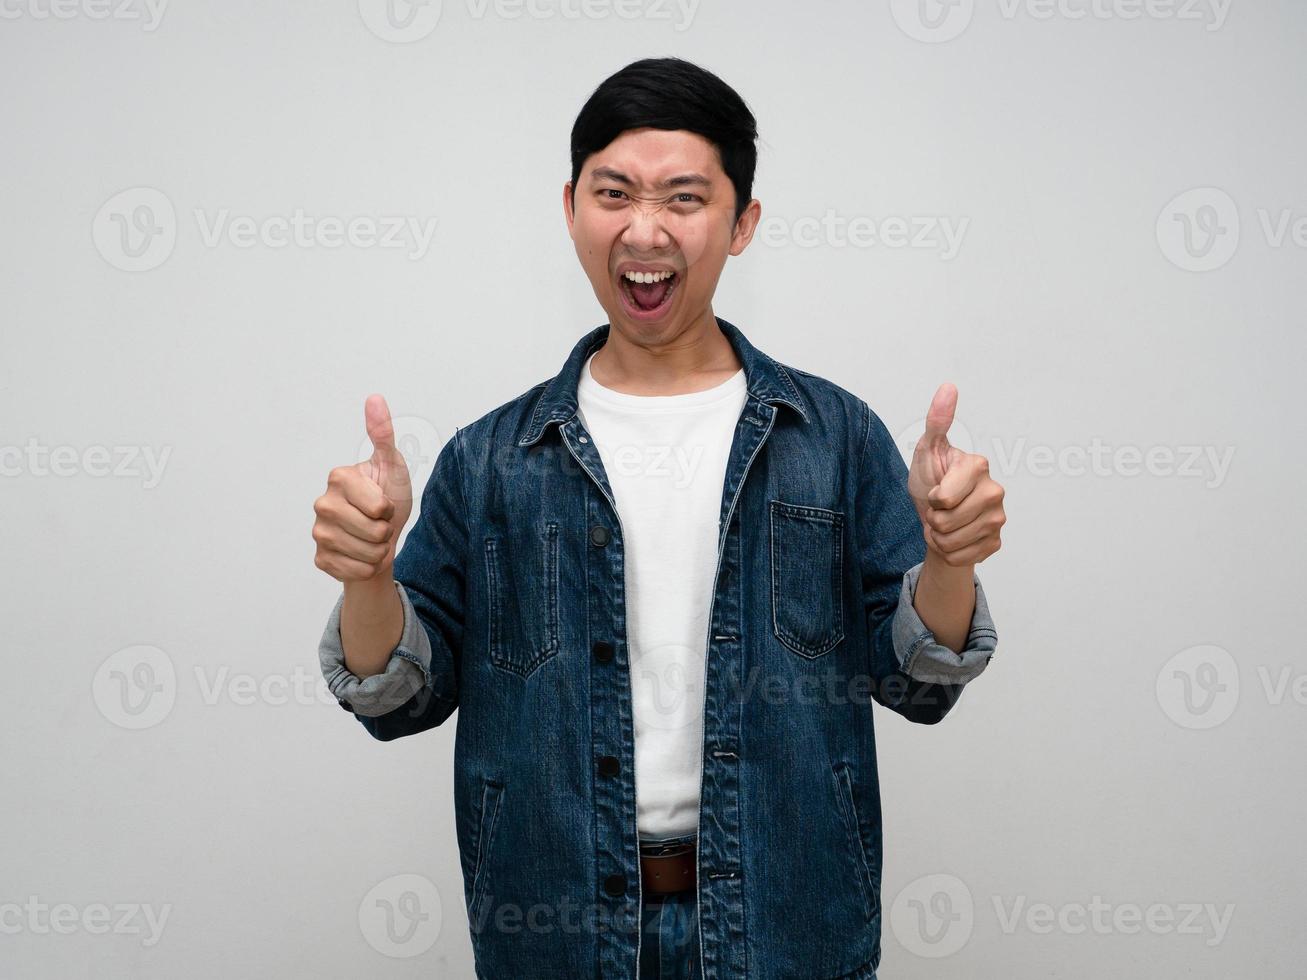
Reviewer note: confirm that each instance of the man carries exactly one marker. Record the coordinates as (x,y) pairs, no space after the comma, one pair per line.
(663,588)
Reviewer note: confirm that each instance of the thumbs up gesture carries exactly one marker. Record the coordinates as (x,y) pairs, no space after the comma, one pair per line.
(365,507)
(960,505)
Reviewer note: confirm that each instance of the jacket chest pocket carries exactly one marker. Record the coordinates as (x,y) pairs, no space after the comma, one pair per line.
(807,572)
(522,581)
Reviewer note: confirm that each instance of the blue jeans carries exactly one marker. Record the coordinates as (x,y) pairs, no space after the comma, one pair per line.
(669,944)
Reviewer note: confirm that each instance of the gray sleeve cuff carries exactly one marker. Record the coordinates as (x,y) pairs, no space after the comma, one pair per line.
(407,671)
(925,659)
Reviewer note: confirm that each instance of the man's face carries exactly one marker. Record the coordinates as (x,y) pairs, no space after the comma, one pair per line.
(655,202)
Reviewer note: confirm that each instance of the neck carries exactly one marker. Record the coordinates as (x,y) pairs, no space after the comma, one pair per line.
(682,360)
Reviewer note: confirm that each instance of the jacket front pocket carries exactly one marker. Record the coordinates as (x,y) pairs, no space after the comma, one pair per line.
(807,569)
(492,792)
(522,577)
(858,858)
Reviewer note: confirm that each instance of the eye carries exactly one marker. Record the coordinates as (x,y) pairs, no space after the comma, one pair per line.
(611,190)
(692,198)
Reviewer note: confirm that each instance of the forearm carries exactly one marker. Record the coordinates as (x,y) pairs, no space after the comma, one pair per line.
(945,599)
(371,624)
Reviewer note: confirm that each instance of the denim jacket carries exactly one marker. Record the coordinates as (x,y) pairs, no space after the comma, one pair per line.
(513,588)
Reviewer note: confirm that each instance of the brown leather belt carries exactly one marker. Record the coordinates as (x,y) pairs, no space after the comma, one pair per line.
(668,869)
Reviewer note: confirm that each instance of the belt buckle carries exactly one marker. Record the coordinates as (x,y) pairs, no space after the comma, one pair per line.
(665,850)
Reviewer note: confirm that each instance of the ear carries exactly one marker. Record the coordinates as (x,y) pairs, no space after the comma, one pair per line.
(569,207)
(745,227)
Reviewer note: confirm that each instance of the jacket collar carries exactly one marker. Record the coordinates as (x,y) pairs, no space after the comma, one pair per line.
(765,379)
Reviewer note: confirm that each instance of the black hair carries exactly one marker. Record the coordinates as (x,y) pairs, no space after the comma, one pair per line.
(670,93)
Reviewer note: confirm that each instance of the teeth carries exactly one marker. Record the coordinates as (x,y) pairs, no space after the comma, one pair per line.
(649,276)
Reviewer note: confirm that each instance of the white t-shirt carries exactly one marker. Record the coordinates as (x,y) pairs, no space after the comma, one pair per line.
(665,457)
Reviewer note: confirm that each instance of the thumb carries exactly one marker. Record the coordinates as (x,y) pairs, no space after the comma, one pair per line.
(376,415)
(940,415)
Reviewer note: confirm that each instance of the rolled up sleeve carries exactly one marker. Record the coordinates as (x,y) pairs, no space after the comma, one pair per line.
(924,658)
(407,672)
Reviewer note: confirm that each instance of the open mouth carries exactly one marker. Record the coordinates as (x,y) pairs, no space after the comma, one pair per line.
(648,298)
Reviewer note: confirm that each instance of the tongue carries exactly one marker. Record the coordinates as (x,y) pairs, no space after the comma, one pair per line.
(649,295)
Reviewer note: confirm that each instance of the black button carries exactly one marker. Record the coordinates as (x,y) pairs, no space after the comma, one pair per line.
(599,535)
(615,884)
(603,651)
(608,765)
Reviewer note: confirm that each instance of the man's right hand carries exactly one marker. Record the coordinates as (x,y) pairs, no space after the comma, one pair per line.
(367,504)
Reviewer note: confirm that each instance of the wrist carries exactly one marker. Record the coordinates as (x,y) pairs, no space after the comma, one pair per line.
(945,576)
(371,588)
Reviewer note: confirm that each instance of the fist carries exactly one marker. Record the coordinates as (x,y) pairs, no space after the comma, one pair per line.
(960,505)
(366,506)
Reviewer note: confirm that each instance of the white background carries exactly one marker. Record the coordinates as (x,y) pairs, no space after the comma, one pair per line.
(1074,314)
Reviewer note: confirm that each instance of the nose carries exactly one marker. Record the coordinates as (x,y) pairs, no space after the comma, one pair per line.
(645,231)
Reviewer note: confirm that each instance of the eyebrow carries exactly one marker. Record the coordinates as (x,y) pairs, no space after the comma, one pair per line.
(680,180)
